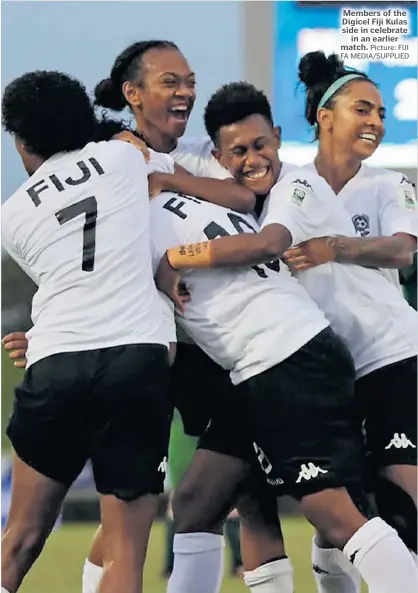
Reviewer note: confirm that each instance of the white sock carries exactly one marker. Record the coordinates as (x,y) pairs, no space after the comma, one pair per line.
(414,557)
(273,577)
(91,577)
(198,563)
(3,590)
(333,571)
(382,558)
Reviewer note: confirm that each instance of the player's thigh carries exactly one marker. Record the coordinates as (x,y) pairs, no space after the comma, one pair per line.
(196,384)
(50,425)
(208,491)
(133,410)
(307,434)
(387,400)
(214,479)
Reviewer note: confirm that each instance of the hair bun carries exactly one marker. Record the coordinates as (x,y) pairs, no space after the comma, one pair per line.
(107,94)
(316,68)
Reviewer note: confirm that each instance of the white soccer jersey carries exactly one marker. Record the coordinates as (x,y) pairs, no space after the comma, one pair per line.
(80,228)
(381,203)
(246,319)
(195,155)
(363,307)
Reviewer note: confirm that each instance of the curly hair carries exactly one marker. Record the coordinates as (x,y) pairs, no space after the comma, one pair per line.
(232,103)
(49,111)
(127,66)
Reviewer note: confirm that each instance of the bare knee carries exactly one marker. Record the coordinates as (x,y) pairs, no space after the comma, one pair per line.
(194,511)
(23,544)
(333,513)
(260,514)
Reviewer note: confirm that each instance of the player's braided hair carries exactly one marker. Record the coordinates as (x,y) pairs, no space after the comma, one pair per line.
(232,103)
(52,112)
(317,72)
(127,66)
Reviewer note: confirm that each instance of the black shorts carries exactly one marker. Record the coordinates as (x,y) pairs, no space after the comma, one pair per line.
(112,406)
(196,383)
(305,430)
(209,405)
(387,403)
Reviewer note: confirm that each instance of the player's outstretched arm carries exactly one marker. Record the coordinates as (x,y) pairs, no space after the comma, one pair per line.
(238,250)
(224,192)
(396,251)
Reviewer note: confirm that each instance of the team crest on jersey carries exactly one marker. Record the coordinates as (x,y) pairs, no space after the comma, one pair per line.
(361,224)
(303,182)
(298,196)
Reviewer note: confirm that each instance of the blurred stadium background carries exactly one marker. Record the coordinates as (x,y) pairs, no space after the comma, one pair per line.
(224,41)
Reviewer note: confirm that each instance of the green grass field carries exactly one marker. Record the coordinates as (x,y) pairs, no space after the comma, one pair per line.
(59,568)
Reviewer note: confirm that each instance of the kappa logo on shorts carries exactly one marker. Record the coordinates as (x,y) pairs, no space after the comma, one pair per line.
(400,442)
(308,471)
(163,467)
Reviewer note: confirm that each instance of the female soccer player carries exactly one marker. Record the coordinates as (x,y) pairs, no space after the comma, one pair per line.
(346,110)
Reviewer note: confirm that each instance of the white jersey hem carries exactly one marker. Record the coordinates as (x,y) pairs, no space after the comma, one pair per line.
(257,368)
(388,360)
(37,356)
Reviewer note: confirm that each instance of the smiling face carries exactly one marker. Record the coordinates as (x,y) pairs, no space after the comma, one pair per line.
(164,96)
(355,122)
(248,149)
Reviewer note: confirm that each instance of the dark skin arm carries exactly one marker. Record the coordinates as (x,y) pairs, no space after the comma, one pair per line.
(251,249)
(396,252)
(238,250)
(224,192)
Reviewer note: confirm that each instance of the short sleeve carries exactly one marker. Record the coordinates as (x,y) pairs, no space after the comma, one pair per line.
(195,155)
(295,205)
(398,211)
(212,169)
(160,162)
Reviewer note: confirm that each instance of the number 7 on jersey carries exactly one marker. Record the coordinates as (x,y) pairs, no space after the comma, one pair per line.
(88,206)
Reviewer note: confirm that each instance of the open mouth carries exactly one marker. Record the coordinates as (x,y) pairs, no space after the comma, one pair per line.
(257,174)
(369,138)
(180,112)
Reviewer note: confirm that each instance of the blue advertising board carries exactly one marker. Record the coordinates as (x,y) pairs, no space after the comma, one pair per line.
(301,27)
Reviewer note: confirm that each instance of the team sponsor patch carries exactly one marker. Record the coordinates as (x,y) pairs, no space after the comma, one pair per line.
(298,196)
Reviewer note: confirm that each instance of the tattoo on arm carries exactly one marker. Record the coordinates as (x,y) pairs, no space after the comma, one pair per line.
(382,252)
